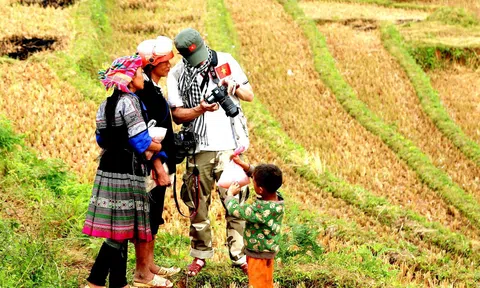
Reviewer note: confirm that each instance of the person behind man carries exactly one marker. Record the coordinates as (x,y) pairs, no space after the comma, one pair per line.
(156,55)
(119,209)
(216,134)
(264,219)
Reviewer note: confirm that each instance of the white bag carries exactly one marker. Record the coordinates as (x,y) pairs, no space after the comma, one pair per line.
(233,173)
(157,133)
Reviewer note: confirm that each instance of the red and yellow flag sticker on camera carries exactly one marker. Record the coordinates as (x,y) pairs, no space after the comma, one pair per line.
(223,71)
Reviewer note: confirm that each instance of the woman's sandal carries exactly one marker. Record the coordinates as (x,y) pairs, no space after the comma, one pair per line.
(167,272)
(157,281)
(88,286)
(196,267)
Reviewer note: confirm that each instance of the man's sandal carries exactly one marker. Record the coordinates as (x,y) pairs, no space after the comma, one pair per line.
(157,281)
(244,268)
(167,272)
(196,267)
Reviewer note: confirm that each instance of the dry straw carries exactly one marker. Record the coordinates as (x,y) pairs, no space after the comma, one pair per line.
(403,147)
(386,89)
(312,117)
(55,120)
(34,21)
(428,97)
(341,11)
(282,147)
(459,90)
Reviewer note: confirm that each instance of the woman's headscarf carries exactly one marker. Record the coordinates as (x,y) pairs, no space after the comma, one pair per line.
(120,73)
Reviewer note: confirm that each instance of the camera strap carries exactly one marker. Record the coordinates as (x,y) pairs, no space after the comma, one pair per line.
(196,188)
(211,71)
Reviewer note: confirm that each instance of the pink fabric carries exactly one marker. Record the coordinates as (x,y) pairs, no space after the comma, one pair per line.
(97,231)
(121,72)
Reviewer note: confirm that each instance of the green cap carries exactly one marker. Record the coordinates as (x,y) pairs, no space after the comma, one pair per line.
(191,46)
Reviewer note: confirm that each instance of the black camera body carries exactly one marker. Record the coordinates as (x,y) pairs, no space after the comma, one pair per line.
(220,95)
(184,143)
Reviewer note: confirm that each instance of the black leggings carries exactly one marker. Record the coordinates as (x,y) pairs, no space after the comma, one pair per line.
(111,259)
(157,200)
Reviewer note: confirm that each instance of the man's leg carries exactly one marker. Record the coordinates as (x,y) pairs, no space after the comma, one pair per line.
(200,230)
(235,226)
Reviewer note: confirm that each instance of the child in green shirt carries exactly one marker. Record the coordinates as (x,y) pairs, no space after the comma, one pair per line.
(263,220)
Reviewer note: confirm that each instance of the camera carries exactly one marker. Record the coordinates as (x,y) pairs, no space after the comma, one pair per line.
(220,95)
(184,143)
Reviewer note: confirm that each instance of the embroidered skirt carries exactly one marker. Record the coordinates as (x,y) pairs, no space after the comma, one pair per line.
(119,206)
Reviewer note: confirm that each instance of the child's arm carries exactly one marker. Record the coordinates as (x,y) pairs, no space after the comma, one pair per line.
(243,211)
(245,166)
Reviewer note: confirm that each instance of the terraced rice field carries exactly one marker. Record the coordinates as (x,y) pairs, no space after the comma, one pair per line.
(360,248)
(471,5)
(332,11)
(459,88)
(331,132)
(33,94)
(388,92)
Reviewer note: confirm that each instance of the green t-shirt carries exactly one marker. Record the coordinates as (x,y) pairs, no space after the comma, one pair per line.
(264,220)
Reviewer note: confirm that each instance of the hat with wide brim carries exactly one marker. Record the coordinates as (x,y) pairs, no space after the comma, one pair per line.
(191,46)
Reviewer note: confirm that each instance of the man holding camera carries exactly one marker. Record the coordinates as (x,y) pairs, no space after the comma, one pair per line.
(204,91)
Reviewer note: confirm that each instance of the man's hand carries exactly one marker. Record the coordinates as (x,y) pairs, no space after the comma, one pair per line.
(159,174)
(234,189)
(231,85)
(208,107)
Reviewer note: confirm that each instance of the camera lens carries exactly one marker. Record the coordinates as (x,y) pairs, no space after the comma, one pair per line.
(220,95)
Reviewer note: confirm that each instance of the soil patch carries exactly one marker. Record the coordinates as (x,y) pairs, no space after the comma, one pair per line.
(49,3)
(21,48)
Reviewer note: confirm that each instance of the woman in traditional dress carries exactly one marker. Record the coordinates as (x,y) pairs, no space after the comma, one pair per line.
(119,206)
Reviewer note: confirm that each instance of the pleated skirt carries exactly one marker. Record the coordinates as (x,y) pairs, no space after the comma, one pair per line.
(119,206)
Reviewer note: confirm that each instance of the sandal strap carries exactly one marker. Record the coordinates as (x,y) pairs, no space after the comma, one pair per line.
(157,281)
(163,271)
(196,266)
(160,281)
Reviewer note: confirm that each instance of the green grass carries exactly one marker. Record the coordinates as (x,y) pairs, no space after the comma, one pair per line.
(37,259)
(269,130)
(432,56)
(79,65)
(52,205)
(434,177)
(431,103)
(448,35)
(454,16)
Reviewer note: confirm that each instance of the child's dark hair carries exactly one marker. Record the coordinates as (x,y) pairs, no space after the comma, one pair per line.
(268,176)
